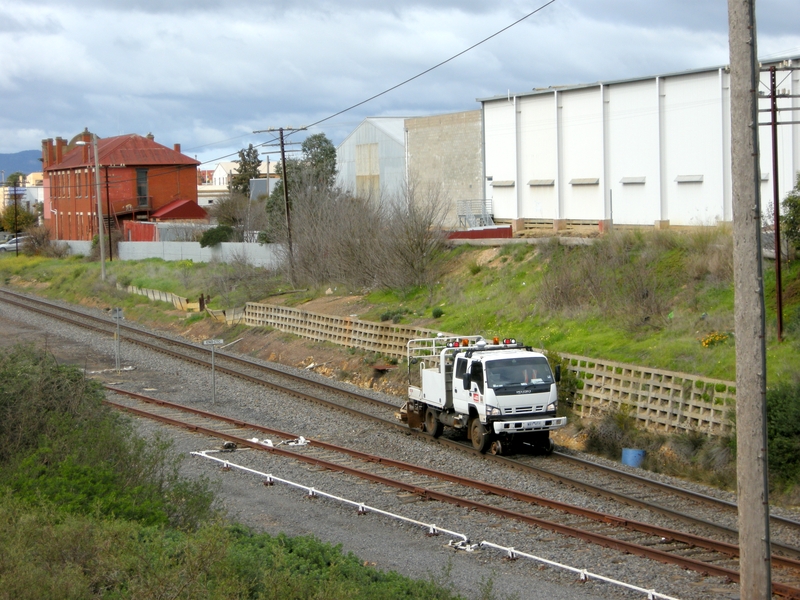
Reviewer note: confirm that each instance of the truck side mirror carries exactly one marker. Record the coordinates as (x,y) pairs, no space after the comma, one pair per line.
(467,381)
(558,373)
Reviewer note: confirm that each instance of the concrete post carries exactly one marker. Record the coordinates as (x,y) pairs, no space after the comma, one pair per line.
(751,436)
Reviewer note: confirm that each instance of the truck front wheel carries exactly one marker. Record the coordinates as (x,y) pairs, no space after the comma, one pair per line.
(479,435)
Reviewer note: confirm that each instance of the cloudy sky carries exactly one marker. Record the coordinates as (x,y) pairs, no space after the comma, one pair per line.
(207,73)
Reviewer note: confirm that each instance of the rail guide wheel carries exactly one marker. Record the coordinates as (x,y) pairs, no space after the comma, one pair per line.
(497,448)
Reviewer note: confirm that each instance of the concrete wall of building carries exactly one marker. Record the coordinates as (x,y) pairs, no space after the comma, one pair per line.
(446,150)
(647,151)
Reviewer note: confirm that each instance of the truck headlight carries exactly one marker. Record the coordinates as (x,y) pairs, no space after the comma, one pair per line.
(552,407)
(493,411)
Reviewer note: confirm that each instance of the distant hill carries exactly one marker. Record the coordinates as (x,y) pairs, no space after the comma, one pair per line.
(26,162)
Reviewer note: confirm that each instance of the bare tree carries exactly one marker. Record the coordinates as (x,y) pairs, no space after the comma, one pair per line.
(246,217)
(364,242)
(414,236)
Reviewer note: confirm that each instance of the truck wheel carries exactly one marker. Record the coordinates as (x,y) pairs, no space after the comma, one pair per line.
(479,436)
(433,426)
(548,447)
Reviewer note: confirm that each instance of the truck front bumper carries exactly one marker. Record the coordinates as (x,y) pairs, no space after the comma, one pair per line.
(528,426)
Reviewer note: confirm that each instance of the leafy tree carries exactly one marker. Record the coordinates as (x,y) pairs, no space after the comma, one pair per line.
(790,220)
(319,157)
(216,235)
(249,163)
(15,178)
(316,170)
(15,218)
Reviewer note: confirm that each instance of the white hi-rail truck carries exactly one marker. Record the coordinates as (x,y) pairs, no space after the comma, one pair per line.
(501,394)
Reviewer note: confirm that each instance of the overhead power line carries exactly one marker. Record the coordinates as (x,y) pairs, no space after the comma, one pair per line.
(436,66)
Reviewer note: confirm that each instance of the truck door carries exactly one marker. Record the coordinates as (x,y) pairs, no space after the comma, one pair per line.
(460,394)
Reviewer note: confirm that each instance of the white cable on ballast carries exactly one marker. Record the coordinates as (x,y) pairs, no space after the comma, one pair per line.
(585,575)
(312,492)
(463,544)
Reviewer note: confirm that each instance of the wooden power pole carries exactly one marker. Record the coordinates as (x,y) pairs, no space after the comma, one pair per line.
(751,365)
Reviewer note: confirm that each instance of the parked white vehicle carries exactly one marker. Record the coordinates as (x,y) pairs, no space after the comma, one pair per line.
(500,394)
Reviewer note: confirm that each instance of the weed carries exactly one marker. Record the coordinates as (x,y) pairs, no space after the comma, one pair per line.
(712,339)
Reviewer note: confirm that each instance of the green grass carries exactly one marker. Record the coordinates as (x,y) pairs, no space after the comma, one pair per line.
(636,297)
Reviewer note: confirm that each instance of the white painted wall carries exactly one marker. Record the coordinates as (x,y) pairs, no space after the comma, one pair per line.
(255,254)
(538,156)
(500,140)
(582,152)
(692,145)
(656,128)
(632,132)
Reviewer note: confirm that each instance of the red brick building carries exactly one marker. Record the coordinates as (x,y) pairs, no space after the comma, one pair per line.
(137,178)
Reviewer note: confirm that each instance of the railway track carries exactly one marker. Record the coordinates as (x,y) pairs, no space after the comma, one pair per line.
(669,546)
(618,485)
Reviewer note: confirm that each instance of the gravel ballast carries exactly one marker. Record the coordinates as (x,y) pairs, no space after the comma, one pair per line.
(378,540)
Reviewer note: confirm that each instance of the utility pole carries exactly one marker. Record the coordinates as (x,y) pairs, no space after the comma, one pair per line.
(773,123)
(751,365)
(100,235)
(99,208)
(108,212)
(280,130)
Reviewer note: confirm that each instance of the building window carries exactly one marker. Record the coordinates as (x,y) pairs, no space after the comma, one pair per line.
(141,186)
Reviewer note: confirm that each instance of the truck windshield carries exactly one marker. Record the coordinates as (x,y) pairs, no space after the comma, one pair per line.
(523,371)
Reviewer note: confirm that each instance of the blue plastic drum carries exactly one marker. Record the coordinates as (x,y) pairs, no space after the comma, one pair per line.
(632,458)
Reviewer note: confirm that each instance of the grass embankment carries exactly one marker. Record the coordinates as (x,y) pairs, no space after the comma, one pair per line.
(660,299)
(89,510)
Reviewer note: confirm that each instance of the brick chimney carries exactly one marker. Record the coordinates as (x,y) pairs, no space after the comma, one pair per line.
(47,153)
(61,143)
(176,147)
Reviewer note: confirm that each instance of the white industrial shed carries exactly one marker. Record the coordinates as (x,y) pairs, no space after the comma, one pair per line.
(371,161)
(648,151)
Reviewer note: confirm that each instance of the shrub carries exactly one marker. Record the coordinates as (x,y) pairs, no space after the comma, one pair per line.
(783,432)
(790,220)
(437,312)
(63,445)
(216,235)
(39,243)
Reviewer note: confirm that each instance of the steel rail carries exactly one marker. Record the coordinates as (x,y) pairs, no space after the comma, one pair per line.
(601,491)
(490,488)
(430,494)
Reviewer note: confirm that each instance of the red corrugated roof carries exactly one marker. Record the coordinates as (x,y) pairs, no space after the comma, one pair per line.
(180,209)
(125,150)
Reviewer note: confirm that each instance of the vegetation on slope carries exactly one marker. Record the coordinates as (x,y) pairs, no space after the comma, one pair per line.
(88,510)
